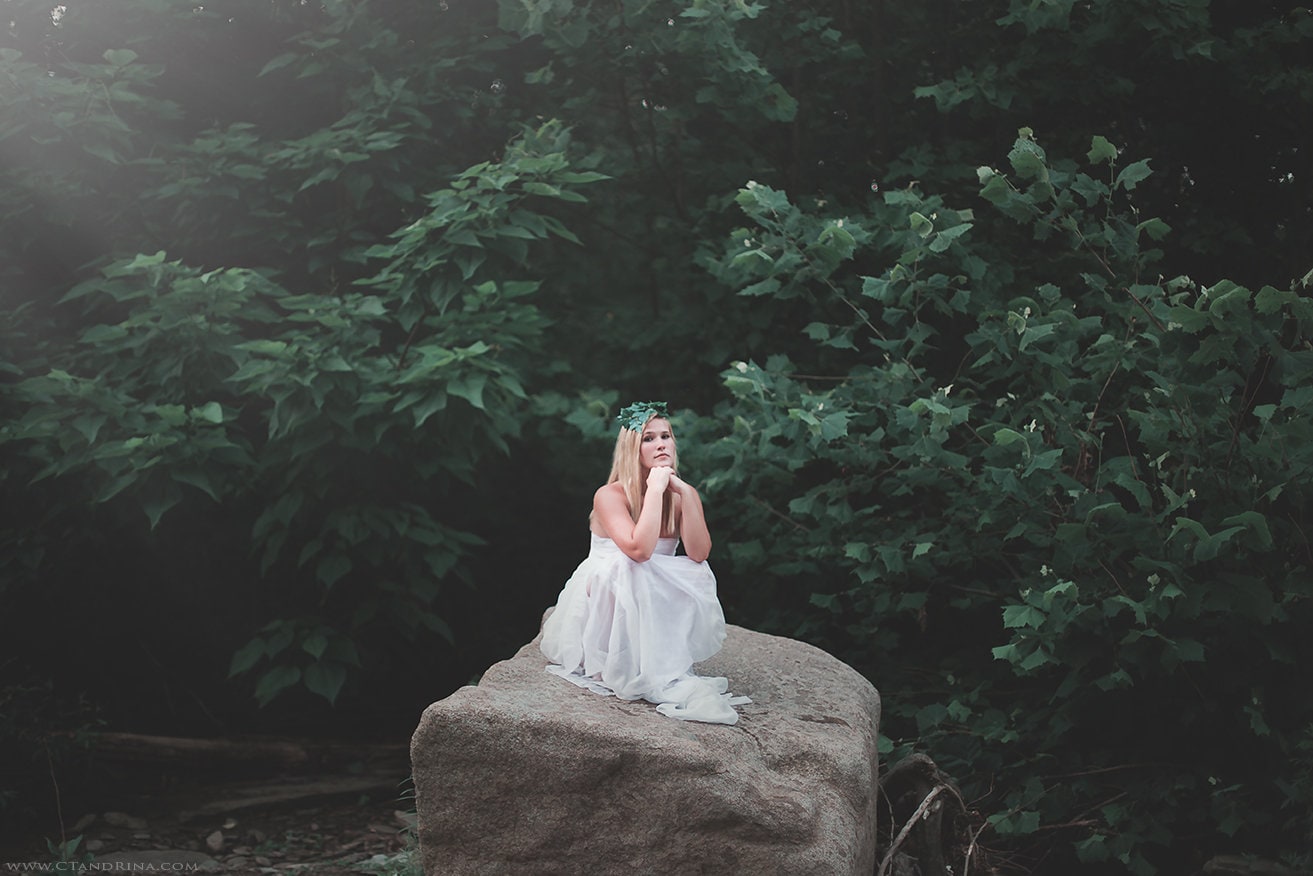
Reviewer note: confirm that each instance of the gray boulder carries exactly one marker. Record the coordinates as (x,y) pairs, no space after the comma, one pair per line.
(526,773)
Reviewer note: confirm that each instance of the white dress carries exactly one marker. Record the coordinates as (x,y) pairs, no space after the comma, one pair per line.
(635,630)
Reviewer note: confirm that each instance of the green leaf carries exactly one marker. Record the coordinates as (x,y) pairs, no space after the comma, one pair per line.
(834,426)
(945,238)
(1005,436)
(1028,159)
(156,506)
(1255,522)
(274,682)
(1155,228)
(99,334)
(314,644)
(325,678)
(1035,660)
(343,650)
(920,224)
(211,412)
(437,625)
(1208,548)
(1133,174)
(246,657)
(266,347)
(470,388)
(827,601)
(120,57)
(426,408)
(89,427)
(331,568)
(197,478)
(1190,650)
(1018,616)
(1101,150)
(1270,300)
(278,62)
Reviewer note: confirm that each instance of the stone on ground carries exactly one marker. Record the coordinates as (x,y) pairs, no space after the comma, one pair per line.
(526,773)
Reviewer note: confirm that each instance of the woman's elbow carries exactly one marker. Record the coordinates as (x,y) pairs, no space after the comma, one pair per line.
(699,555)
(637,554)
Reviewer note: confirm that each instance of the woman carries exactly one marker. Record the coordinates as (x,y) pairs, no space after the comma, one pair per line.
(634,618)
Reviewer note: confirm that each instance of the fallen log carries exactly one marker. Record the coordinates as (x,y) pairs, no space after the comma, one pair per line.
(261,751)
(226,799)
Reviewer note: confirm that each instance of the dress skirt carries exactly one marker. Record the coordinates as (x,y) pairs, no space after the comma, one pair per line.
(635,630)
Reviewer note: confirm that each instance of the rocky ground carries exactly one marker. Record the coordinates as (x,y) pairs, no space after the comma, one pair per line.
(319,826)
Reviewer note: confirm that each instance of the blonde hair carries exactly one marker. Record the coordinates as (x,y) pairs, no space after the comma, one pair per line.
(627,469)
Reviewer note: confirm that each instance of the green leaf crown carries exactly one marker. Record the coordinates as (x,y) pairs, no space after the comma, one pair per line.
(634,416)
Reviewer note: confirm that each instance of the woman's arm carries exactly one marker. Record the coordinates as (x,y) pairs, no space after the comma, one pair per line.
(692,524)
(637,540)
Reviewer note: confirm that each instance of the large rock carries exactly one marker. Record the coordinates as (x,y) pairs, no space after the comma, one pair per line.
(526,773)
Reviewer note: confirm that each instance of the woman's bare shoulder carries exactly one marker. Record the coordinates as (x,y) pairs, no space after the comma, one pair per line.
(608,490)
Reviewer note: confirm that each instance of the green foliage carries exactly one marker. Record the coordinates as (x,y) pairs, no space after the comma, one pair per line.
(66,852)
(224,386)
(1109,464)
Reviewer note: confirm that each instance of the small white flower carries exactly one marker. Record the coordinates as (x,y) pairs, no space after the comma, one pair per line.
(742,367)
(1044,571)
(1032,426)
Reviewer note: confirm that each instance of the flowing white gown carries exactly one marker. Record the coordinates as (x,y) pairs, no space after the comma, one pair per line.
(635,630)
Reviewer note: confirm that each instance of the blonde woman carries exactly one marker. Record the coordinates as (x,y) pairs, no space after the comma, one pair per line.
(634,617)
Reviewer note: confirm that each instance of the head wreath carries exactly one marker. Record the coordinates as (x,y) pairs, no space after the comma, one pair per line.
(634,416)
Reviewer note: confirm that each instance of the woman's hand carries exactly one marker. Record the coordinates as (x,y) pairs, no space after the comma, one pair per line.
(660,478)
(678,484)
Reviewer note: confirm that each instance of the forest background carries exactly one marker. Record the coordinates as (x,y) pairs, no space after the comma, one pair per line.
(987,323)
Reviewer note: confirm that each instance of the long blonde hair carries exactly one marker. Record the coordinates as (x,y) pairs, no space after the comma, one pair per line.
(627,469)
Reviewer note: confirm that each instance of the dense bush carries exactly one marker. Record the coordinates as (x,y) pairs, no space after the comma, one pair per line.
(1053,503)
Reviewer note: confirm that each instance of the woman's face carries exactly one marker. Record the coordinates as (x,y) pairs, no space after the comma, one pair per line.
(657,446)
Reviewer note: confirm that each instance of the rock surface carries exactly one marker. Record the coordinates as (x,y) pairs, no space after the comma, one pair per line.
(526,773)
